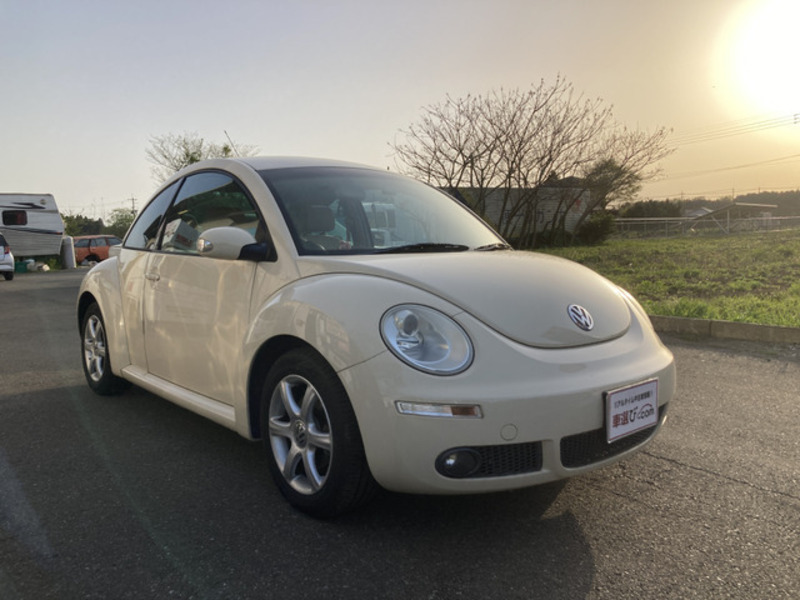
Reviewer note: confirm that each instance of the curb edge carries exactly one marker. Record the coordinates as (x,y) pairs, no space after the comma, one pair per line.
(726,330)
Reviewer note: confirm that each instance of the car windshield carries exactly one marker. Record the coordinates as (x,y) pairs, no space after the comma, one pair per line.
(332,210)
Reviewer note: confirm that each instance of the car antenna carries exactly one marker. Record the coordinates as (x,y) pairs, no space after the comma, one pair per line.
(232,145)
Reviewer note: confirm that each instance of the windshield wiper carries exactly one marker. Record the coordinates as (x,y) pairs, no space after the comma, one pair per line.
(423,247)
(490,247)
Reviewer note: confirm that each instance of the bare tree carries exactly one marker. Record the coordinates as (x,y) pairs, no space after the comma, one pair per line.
(172,151)
(507,144)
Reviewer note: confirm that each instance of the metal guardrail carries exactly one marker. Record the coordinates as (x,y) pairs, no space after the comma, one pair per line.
(681,226)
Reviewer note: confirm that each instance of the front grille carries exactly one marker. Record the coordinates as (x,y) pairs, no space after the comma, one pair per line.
(511,459)
(590,447)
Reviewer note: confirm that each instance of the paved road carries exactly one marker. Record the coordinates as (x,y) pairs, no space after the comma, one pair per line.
(135,498)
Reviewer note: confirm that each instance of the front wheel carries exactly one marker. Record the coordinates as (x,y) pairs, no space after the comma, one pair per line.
(311,436)
(96,359)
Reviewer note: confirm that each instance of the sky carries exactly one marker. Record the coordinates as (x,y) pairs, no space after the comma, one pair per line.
(86,84)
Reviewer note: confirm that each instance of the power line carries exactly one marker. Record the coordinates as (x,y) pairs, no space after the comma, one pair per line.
(687,174)
(733,128)
(729,129)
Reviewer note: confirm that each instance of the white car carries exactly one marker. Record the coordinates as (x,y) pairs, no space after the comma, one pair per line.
(6,259)
(370,329)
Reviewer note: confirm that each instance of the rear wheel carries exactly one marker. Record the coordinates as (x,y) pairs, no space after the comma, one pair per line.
(311,436)
(9,275)
(96,359)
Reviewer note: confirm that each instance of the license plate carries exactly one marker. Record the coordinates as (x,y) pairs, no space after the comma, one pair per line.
(631,409)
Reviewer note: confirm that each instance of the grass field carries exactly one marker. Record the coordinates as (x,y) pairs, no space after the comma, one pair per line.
(752,278)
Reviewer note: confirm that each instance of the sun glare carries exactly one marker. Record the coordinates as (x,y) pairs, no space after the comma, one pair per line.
(760,54)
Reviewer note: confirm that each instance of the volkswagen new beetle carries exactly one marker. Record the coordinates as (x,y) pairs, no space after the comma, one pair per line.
(372,331)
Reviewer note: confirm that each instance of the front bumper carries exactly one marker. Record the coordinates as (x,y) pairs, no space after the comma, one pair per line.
(542,411)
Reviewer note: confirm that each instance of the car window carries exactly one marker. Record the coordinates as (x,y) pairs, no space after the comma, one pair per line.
(100,242)
(143,235)
(81,243)
(15,217)
(208,200)
(347,210)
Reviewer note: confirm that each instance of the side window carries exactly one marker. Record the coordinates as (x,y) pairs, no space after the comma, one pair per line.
(100,242)
(208,200)
(15,217)
(82,243)
(143,235)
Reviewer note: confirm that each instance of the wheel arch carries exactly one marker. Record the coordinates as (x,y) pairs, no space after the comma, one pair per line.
(329,315)
(85,300)
(101,285)
(263,360)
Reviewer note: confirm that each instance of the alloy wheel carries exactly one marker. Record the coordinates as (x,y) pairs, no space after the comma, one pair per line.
(94,348)
(300,434)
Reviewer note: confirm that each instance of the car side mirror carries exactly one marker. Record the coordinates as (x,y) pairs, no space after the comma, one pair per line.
(231,243)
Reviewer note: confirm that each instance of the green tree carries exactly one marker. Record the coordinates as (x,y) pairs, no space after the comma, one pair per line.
(120,221)
(80,225)
(607,181)
(650,209)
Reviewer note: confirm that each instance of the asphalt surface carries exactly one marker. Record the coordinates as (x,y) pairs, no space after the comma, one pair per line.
(133,497)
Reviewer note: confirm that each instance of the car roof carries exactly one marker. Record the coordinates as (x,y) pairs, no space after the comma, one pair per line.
(94,237)
(267,163)
(261,163)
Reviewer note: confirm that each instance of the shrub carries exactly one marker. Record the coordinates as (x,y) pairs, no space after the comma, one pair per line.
(596,229)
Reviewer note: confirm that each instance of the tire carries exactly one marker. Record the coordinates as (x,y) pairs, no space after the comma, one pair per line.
(9,275)
(311,437)
(96,360)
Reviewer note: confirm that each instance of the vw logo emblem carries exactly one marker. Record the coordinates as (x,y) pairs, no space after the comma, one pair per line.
(580,316)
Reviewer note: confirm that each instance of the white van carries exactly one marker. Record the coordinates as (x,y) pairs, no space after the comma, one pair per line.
(31,223)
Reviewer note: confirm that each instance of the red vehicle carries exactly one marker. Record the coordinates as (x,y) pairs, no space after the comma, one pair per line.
(93,248)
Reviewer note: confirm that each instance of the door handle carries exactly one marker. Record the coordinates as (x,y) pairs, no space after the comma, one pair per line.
(152,276)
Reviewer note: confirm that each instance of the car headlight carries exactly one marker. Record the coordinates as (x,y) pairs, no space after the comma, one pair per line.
(426,339)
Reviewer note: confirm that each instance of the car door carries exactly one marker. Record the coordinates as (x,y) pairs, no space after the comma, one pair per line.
(81,250)
(140,243)
(100,248)
(196,308)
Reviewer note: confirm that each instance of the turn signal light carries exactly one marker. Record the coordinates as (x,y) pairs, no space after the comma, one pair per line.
(469,411)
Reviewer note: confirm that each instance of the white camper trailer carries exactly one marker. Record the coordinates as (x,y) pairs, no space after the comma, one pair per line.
(31,223)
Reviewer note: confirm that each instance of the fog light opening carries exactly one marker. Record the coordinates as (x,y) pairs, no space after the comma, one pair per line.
(458,463)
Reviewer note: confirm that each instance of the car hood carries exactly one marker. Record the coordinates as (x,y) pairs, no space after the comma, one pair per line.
(522,295)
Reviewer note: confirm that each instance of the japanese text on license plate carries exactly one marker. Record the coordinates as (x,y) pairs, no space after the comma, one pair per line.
(631,409)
